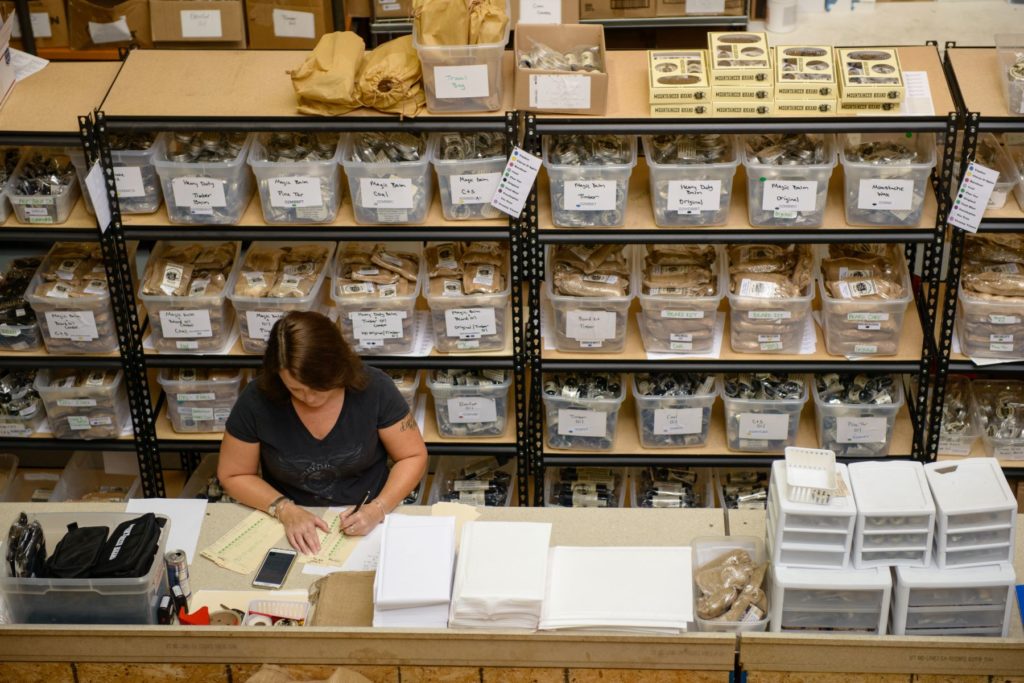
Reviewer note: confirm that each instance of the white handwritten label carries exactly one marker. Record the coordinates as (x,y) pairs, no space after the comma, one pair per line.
(260,323)
(461,82)
(1011,452)
(763,426)
(682,315)
(128,180)
(866,316)
(78,422)
(202,396)
(769,315)
(590,326)
(589,195)
(292,24)
(40,25)
(470,323)
(694,196)
(190,324)
(21,429)
(475,188)
(386,193)
(879,193)
(972,197)
(789,195)
(472,409)
(73,325)
(540,11)
(861,429)
(113,32)
(76,402)
(204,23)
(952,445)
(289,192)
(705,6)
(559,91)
(582,422)
(376,325)
(516,182)
(678,420)
(198,194)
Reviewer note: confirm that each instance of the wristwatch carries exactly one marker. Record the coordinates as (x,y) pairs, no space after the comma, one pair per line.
(275,507)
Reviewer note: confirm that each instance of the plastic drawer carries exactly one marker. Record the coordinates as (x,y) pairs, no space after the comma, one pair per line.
(969,539)
(580,424)
(391,192)
(889,541)
(978,616)
(470,411)
(589,196)
(691,194)
(840,620)
(296,192)
(887,194)
(206,193)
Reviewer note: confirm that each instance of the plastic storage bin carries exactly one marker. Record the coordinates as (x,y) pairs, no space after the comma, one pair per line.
(762,426)
(960,430)
(583,424)
(741,489)
(30,486)
(86,601)
(470,322)
(408,383)
(206,193)
(9,157)
(706,549)
(788,196)
(853,601)
(690,194)
(989,329)
(767,324)
(41,209)
(588,196)
(988,399)
(975,512)
(470,411)
(890,194)
(296,192)
(28,418)
(466,186)
(1016,154)
(585,487)
(200,405)
(589,323)
(390,192)
(895,514)
(975,601)
(665,487)
(85,412)
(138,186)
(1009,48)
(673,421)
(473,489)
(75,325)
(857,430)
(86,479)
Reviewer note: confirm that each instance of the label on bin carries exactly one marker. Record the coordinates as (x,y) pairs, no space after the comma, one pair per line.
(561,91)
(474,188)
(769,315)
(461,82)
(682,315)
(861,429)
(296,191)
(867,317)
(194,324)
(128,180)
(203,396)
(582,422)
(1008,451)
(76,402)
(377,325)
(386,193)
(789,195)
(78,422)
(73,325)
(199,195)
(540,11)
(201,23)
(589,195)
(769,426)
(470,323)
(15,429)
(953,447)
(472,409)
(292,24)
(1000,337)
(590,326)
(202,413)
(260,322)
(692,196)
(996,319)
(862,349)
(881,193)
(705,7)
(678,420)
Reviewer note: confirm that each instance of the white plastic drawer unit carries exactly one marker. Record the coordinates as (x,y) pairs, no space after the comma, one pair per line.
(895,514)
(854,601)
(968,601)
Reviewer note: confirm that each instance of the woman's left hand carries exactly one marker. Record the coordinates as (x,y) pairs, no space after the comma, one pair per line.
(363,522)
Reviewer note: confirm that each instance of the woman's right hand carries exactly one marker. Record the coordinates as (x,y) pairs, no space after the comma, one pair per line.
(300,527)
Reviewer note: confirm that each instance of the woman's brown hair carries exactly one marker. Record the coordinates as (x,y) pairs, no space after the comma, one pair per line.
(309,346)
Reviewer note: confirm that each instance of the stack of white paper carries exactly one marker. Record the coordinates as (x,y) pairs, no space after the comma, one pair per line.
(501,575)
(637,590)
(413,585)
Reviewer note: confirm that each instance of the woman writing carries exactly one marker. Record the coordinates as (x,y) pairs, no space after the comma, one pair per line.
(321,427)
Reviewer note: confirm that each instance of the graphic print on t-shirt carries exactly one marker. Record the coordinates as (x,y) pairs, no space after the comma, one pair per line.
(318,473)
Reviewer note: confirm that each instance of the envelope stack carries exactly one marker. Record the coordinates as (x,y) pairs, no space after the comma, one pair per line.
(413,586)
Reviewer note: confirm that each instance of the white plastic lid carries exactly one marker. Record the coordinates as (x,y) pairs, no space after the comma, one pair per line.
(973,485)
(890,488)
(832,579)
(998,574)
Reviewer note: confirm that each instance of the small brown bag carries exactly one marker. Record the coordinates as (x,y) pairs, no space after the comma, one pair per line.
(326,82)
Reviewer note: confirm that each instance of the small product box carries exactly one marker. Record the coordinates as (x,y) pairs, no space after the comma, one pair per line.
(678,76)
(743,108)
(973,601)
(805,107)
(739,58)
(561,69)
(805,72)
(211,23)
(852,601)
(895,514)
(583,410)
(671,110)
(469,403)
(585,487)
(758,93)
(869,75)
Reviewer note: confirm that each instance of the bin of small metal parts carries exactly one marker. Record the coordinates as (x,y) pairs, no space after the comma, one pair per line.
(745,489)
(590,292)
(84,404)
(729,584)
(999,412)
(72,303)
(975,512)
(992,155)
(762,410)
(470,404)
(895,515)
(886,177)
(787,178)
(989,322)
(204,177)
(86,480)
(468,289)
(589,178)
(43,187)
(959,431)
(9,157)
(844,600)
(199,400)
(468,168)
(21,410)
(1015,151)
(298,176)
(185,290)
(770,293)
(19,330)
(585,487)
(204,483)
(669,487)
(680,288)
(416,496)
(483,483)
(582,409)
(856,414)
(673,410)
(276,278)
(8,470)
(973,601)
(801,534)
(374,289)
(691,177)
(408,383)
(1010,52)
(560,68)
(388,177)
(138,186)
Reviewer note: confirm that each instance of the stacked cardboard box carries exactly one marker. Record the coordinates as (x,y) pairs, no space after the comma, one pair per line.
(805,81)
(741,74)
(870,80)
(678,81)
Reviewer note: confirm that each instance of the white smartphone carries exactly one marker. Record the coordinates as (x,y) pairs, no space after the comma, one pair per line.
(275,568)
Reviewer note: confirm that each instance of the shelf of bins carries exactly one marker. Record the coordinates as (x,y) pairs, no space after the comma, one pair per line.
(79,227)
(640,227)
(41,359)
(627,451)
(46,442)
(975,73)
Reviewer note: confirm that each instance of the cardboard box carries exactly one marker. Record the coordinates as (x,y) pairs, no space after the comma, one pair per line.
(869,74)
(699,8)
(49,22)
(391,9)
(743,109)
(691,110)
(805,107)
(855,108)
(804,72)
(545,12)
(287,24)
(563,92)
(91,24)
(677,76)
(197,21)
(7,80)
(739,57)
(617,9)
(742,93)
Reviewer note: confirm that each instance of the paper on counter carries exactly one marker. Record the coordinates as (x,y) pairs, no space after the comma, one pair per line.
(242,548)
(918,98)
(362,557)
(335,547)
(186,515)
(25,64)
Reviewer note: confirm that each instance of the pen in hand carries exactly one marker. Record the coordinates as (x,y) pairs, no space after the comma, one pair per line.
(366,498)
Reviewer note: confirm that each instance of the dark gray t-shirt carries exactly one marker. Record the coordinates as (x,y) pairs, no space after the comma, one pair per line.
(340,468)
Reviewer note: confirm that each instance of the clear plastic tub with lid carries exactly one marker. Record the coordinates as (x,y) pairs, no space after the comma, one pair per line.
(8,470)
(691,177)
(856,414)
(388,177)
(468,295)
(199,400)
(204,177)
(582,409)
(468,168)
(762,410)
(9,157)
(589,178)
(743,561)
(585,487)
(787,178)
(673,410)
(470,404)
(84,404)
(21,410)
(959,430)
(490,482)
(590,292)
(43,187)
(1015,151)
(998,412)
(886,177)
(298,176)
(138,186)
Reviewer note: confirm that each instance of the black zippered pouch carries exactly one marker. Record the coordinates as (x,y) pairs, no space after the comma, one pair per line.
(77,552)
(130,550)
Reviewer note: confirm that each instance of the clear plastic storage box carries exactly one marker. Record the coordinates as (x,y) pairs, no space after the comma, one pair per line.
(466,186)
(86,601)
(296,192)
(1010,51)
(408,383)
(960,429)
(690,194)
(663,487)
(200,405)
(388,192)
(895,514)
(206,193)
(85,412)
(789,195)
(36,209)
(1015,151)
(974,601)
(886,191)
(470,322)
(741,489)
(706,549)
(854,601)
(857,430)
(762,426)
(589,323)
(1003,163)
(494,489)
(83,324)
(138,186)
(583,424)
(24,423)
(471,411)
(85,479)
(994,402)
(673,421)
(989,329)
(9,157)
(585,487)
(586,196)
(767,324)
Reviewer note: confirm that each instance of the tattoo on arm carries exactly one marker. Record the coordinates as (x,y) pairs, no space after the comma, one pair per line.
(408,423)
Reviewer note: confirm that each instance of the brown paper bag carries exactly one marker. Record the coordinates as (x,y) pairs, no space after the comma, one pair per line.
(441,22)
(487,21)
(390,80)
(326,81)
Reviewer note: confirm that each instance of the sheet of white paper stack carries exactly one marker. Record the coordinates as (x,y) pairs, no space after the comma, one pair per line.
(414,575)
